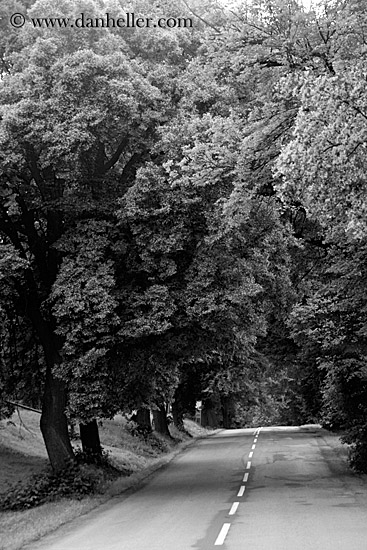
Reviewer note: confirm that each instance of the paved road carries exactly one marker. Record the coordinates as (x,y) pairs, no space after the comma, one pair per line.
(268,489)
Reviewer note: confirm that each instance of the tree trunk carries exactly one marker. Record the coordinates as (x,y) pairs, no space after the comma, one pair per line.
(53,422)
(209,417)
(160,421)
(54,426)
(142,418)
(89,436)
(177,416)
(227,410)
(178,419)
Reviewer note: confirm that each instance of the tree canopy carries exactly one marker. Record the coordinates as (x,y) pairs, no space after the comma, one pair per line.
(182,215)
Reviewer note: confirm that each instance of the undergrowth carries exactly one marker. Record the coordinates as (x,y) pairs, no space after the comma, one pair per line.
(145,434)
(90,473)
(356,437)
(85,475)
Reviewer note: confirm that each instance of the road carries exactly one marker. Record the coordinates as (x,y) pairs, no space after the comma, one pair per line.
(264,489)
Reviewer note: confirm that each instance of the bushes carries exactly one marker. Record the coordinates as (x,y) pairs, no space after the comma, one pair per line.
(76,480)
(356,437)
(147,435)
(138,430)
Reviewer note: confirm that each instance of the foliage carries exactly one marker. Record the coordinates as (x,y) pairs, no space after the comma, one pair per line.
(74,480)
(77,118)
(175,227)
(84,305)
(20,346)
(322,167)
(332,325)
(333,110)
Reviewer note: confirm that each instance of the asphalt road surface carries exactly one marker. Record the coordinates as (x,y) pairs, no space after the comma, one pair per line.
(252,489)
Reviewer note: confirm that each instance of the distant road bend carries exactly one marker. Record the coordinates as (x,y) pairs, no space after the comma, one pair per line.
(259,489)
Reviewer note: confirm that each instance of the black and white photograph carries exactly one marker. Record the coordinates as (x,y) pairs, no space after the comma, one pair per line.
(183,274)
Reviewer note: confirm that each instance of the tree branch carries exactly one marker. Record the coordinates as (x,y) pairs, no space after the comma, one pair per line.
(7,227)
(130,166)
(356,109)
(201,18)
(115,157)
(35,242)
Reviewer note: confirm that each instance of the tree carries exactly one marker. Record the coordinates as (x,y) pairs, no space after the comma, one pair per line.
(74,124)
(159,214)
(323,167)
(331,326)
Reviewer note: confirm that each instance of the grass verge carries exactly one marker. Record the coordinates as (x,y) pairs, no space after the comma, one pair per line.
(22,455)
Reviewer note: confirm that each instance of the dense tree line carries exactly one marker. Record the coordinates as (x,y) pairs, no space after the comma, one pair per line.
(182,217)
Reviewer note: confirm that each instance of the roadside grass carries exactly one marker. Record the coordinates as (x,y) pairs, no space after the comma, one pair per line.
(22,454)
(20,528)
(22,450)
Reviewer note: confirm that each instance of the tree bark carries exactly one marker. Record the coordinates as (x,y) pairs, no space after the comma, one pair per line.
(178,418)
(209,416)
(227,410)
(89,435)
(160,421)
(34,289)
(54,426)
(142,418)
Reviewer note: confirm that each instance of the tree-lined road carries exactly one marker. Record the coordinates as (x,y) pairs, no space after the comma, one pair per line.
(268,489)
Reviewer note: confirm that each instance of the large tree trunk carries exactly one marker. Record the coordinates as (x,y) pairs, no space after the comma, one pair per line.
(160,421)
(142,418)
(53,423)
(89,435)
(177,415)
(178,419)
(209,417)
(227,410)
(54,426)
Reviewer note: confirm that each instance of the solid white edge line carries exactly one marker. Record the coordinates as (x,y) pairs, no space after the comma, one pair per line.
(248,466)
(233,509)
(241,491)
(222,535)
(245,477)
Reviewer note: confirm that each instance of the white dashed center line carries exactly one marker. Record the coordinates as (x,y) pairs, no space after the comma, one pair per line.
(222,535)
(233,510)
(226,526)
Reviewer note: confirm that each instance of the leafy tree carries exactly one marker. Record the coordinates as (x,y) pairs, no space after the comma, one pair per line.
(77,117)
(323,168)
(84,306)
(332,326)
(161,211)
